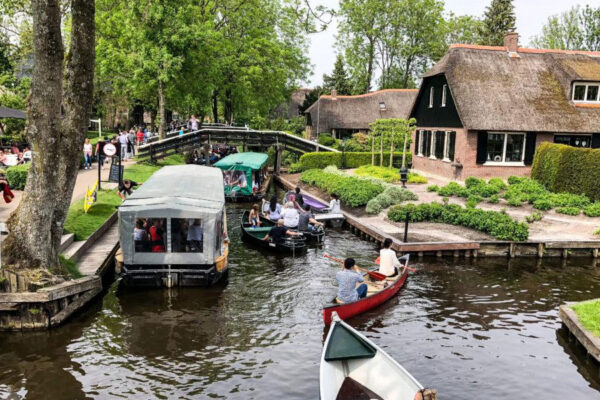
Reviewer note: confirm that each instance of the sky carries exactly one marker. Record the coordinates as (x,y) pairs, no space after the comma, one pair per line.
(531,16)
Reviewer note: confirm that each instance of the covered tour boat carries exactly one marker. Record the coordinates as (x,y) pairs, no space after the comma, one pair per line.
(245,176)
(321,209)
(255,236)
(378,292)
(353,367)
(173,229)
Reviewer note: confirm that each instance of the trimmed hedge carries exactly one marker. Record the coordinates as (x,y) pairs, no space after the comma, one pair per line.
(17,176)
(562,168)
(498,224)
(390,196)
(322,159)
(353,191)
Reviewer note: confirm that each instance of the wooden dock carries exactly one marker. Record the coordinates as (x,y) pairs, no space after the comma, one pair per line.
(590,342)
(98,258)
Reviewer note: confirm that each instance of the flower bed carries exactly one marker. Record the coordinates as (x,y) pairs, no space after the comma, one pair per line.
(353,191)
(498,224)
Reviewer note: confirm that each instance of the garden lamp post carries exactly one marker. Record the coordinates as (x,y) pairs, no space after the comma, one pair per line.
(403,170)
(343,153)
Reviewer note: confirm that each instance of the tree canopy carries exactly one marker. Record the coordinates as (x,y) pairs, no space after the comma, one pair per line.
(575,29)
(338,79)
(499,18)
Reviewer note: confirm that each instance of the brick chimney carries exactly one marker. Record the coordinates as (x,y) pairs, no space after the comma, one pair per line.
(511,41)
(333,94)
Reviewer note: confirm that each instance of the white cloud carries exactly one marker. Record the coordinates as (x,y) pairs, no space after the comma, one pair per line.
(531,16)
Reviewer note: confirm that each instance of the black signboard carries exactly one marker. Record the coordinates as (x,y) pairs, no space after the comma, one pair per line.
(114,173)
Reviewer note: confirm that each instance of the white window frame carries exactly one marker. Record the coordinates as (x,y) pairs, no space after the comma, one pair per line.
(432,147)
(420,149)
(447,147)
(431,94)
(444,90)
(509,163)
(587,85)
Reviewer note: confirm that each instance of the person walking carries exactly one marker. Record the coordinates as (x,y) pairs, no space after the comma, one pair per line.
(131,143)
(87,154)
(193,123)
(123,143)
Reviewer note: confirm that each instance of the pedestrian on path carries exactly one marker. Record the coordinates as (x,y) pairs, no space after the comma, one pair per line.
(123,143)
(87,154)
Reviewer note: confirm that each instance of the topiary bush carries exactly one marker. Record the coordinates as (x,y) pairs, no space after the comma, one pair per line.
(17,176)
(497,224)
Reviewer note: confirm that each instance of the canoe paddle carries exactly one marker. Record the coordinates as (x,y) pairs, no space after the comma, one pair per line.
(378,260)
(373,274)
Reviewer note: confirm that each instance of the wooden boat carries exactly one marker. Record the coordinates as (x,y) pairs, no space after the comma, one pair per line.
(353,367)
(255,236)
(377,293)
(248,168)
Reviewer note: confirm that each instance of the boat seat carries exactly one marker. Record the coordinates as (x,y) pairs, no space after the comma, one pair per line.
(345,345)
(264,229)
(352,389)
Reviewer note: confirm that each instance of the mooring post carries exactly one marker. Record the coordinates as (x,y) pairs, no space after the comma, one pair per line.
(406,227)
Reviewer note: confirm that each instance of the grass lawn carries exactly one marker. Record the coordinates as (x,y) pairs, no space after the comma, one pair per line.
(82,224)
(141,172)
(589,316)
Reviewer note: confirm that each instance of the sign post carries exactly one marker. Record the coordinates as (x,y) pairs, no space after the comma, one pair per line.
(109,150)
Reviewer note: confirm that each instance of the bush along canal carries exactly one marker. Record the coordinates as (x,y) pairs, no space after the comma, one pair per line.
(471,328)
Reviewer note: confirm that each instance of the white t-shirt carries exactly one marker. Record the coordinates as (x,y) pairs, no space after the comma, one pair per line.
(334,206)
(387,261)
(290,217)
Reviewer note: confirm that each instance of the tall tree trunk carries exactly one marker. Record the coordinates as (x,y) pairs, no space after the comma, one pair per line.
(228,106)
(370,66)
(381,150)
(372,149)
(215,106)
(37,224)
(391,151)
(162,115)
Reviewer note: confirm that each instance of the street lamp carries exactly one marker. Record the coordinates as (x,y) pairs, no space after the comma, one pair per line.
(403,170)
(343,153)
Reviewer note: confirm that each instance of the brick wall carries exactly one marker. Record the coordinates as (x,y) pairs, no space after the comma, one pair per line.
(466,154)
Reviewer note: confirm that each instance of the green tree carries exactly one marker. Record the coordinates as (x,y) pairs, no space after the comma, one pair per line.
(310,98)
(338,79)
(590,20)
(561,32)
(464,29)
(499,18)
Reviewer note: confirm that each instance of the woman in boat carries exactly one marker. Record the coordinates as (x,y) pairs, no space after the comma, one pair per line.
(156,236)
(334,204)
(388,260)
(290,215)
(253,217)
(273,211)
(307,221)
(347,279)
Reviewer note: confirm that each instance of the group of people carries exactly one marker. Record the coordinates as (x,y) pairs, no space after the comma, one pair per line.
(125,143)
(187,235)
(15,155)
(215,153)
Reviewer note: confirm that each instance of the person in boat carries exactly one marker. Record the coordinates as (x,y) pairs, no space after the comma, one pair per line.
(290,215)
(388,260)
(139,235)
(347,279)
(307,221)
(195,235)
(273,210)
(298,199)
(156,236)
(253,217)
(279,232)
(334,204)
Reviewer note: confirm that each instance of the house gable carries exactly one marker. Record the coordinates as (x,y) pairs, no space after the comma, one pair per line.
(437,115)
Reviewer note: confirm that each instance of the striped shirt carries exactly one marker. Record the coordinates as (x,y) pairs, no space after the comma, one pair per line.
(347,280)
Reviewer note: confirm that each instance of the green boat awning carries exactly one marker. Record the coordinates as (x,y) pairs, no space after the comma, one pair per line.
(345,345)
(243,161)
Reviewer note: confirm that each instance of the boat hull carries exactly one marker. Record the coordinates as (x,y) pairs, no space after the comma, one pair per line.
(349,310)
(292,247)
(156,276)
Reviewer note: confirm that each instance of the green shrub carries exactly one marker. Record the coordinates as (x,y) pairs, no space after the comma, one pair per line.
(514,180)
(514,202)
(494,199)
(569,210)
(326,140)
(542,204)
(391,195)
(562,168)
(597,232)
(592,210)
(433,188)
(415,178)
(17,176)
(497,224)
(569,200)
(353,191)
(295,168)
(388,175)
(498,183)
(321,159)
(475,198)
(472,182)
(536,216)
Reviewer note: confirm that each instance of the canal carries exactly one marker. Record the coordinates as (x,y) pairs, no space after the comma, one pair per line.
(485,329)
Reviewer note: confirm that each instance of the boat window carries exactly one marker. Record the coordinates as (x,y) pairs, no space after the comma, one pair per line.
(218,235)
(187,235)
(149,235)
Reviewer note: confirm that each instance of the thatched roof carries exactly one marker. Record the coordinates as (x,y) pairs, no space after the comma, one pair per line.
(357,112)
(6,112)
(531,92)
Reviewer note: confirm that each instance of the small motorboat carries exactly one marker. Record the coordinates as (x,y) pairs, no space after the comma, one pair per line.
(353,367)
(378,292)
(291,245)
(245,176)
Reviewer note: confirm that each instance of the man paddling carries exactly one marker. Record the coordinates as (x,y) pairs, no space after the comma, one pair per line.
(347,279)
(279,232)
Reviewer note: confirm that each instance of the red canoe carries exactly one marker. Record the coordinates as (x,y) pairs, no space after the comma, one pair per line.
(374,297)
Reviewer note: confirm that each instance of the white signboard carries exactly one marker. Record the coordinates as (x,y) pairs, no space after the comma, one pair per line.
(110,149)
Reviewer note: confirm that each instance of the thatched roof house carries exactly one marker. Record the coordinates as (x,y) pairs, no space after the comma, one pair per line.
(345,115)
(494,105)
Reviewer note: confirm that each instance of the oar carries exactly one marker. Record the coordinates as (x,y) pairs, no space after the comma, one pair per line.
(373,274)
(378,260)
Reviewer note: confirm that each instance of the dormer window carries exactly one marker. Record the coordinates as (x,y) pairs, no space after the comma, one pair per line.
(584,92)
(431,92)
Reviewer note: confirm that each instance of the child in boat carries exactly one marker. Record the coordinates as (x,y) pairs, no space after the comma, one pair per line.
(253,218)
(334,204)
(388,261)
(347,279)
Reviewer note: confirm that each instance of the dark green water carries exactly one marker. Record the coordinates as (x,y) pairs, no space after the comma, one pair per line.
(484,330)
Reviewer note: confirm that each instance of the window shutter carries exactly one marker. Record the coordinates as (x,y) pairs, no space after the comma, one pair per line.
(482,147)
(530,148)
(451,142)
(427,143)
(417,137)
(596,141)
